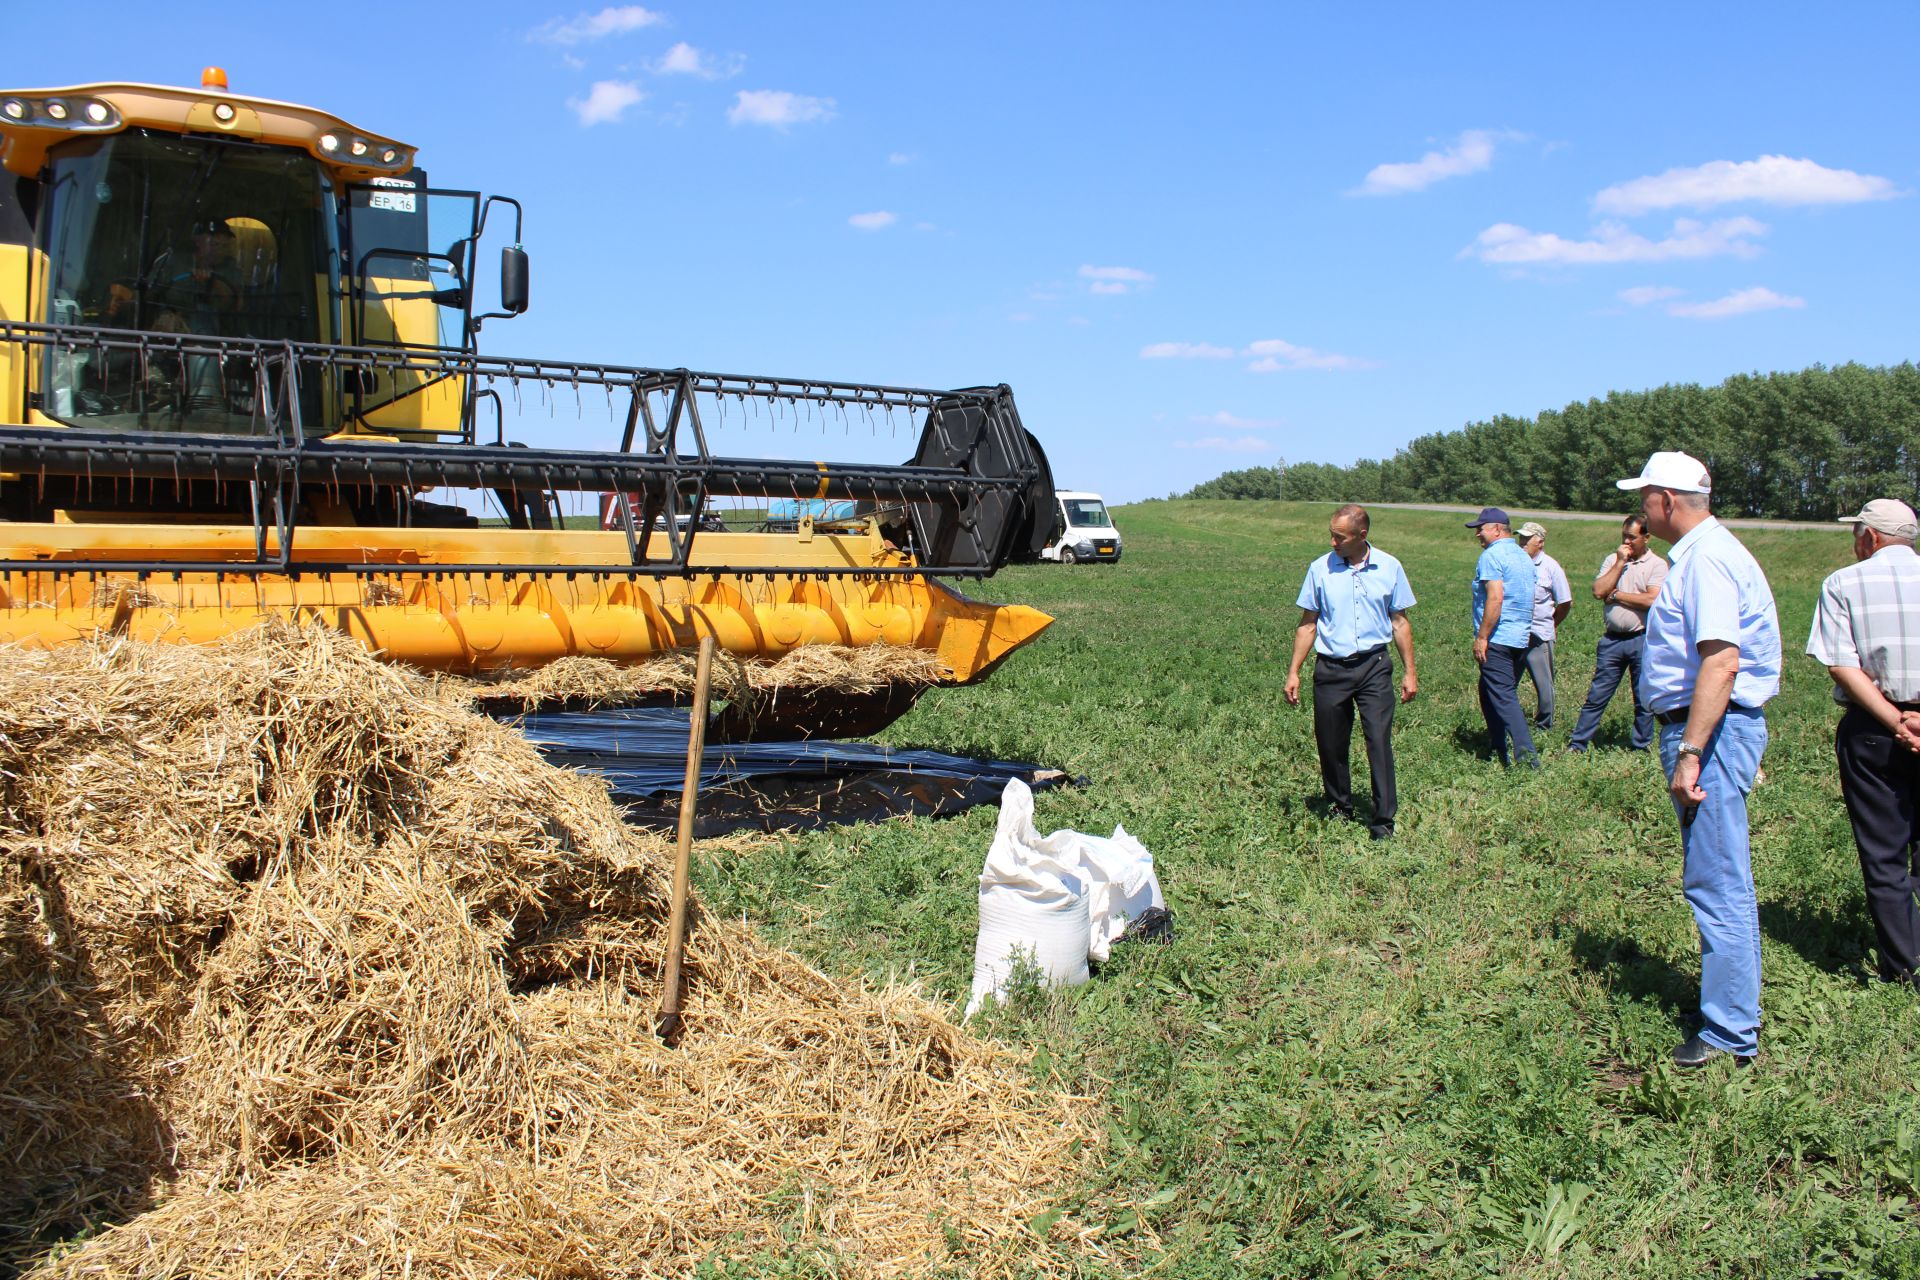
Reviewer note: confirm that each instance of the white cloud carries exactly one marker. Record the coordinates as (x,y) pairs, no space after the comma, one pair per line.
(685,60)
(1472,153)
(1269,355)
(1516,246)
(777,109)
(1233,422)
(925,226)
(1114,279)
(1768,180)
(1185,351)
(878,220)
(901,157)
(583,28)
(1647,294)
(1738,303)
(606,102)
(1233,444)
(1275,356)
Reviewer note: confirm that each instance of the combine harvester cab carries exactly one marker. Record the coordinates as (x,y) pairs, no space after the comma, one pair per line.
(238,346)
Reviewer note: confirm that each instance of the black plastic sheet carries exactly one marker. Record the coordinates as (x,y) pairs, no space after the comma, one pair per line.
(765,786)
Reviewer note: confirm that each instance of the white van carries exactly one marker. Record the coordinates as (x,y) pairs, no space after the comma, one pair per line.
(1083,531)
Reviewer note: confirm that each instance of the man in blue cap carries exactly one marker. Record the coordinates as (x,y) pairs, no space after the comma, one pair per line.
(1503,586)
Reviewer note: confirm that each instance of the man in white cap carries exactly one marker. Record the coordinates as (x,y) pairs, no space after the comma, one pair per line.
(1866,630)
(1711,662)
(1552,600)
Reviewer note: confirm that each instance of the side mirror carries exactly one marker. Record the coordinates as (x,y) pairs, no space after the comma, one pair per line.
(513,279)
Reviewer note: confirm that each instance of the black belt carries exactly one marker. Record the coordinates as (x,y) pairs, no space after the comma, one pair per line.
(1679,714)
(1355,659)
(1625,635)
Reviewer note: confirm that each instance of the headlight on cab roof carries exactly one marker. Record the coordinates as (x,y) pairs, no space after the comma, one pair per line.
(360,150)
(85,115)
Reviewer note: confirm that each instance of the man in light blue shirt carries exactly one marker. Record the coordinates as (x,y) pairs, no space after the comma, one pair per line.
(1353,603)
(1711,662)
(1503,586)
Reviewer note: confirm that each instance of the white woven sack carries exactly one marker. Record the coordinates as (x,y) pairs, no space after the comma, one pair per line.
(1121,885)
(1033,905)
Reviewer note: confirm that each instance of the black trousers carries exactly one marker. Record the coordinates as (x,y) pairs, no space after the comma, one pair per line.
(1880,780)
(1339,689)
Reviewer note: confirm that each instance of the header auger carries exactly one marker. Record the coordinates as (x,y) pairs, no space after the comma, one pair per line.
(238,347)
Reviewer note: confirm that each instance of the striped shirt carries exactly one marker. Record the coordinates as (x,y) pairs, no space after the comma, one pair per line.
(1869,618)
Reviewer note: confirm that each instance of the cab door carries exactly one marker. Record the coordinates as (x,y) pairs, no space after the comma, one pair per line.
(408,258)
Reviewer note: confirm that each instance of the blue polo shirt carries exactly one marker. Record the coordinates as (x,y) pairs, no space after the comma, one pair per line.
(1714,591)
(1505,561)
(1356,602)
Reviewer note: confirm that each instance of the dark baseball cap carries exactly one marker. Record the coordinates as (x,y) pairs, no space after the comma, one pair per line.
(1489,515)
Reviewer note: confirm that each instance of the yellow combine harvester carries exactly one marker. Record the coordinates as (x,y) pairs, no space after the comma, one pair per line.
(238,345)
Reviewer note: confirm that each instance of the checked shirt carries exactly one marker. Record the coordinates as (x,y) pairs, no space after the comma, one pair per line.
(1869,618)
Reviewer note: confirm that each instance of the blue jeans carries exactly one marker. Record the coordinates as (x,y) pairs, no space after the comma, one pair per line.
(1718,877)
(1617,656)
(1500,703)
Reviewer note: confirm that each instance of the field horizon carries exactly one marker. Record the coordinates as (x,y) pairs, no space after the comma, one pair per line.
(1439,1055)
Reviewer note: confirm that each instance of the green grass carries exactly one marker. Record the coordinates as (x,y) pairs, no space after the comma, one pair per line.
(1437,1056)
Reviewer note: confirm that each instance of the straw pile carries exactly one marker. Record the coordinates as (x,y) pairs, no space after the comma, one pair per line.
(810,669)
(306,970)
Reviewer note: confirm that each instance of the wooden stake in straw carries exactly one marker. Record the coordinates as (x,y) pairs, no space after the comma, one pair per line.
(667,1021)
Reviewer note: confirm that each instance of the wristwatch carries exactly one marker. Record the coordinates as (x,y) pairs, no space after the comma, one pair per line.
(1688,749)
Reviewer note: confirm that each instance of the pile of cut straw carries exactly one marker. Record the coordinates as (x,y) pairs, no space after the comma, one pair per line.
(306,970)
(810,669)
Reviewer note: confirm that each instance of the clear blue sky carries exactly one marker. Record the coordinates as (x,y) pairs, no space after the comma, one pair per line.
(1191,238)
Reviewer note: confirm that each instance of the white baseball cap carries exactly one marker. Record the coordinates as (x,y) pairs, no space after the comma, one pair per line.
(1677,471)
(1887,515)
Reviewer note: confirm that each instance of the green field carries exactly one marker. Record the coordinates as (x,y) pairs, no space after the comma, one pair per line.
(1437,1056)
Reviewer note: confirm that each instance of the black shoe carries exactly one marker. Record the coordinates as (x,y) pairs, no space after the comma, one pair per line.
(1696,1052)
(1381,833)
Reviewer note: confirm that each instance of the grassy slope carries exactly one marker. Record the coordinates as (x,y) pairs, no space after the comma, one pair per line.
(1437,1056)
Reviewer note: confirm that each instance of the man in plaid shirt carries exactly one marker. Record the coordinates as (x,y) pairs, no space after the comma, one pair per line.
(1867,632)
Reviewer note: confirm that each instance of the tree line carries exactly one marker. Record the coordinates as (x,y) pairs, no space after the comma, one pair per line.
(1790,446)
